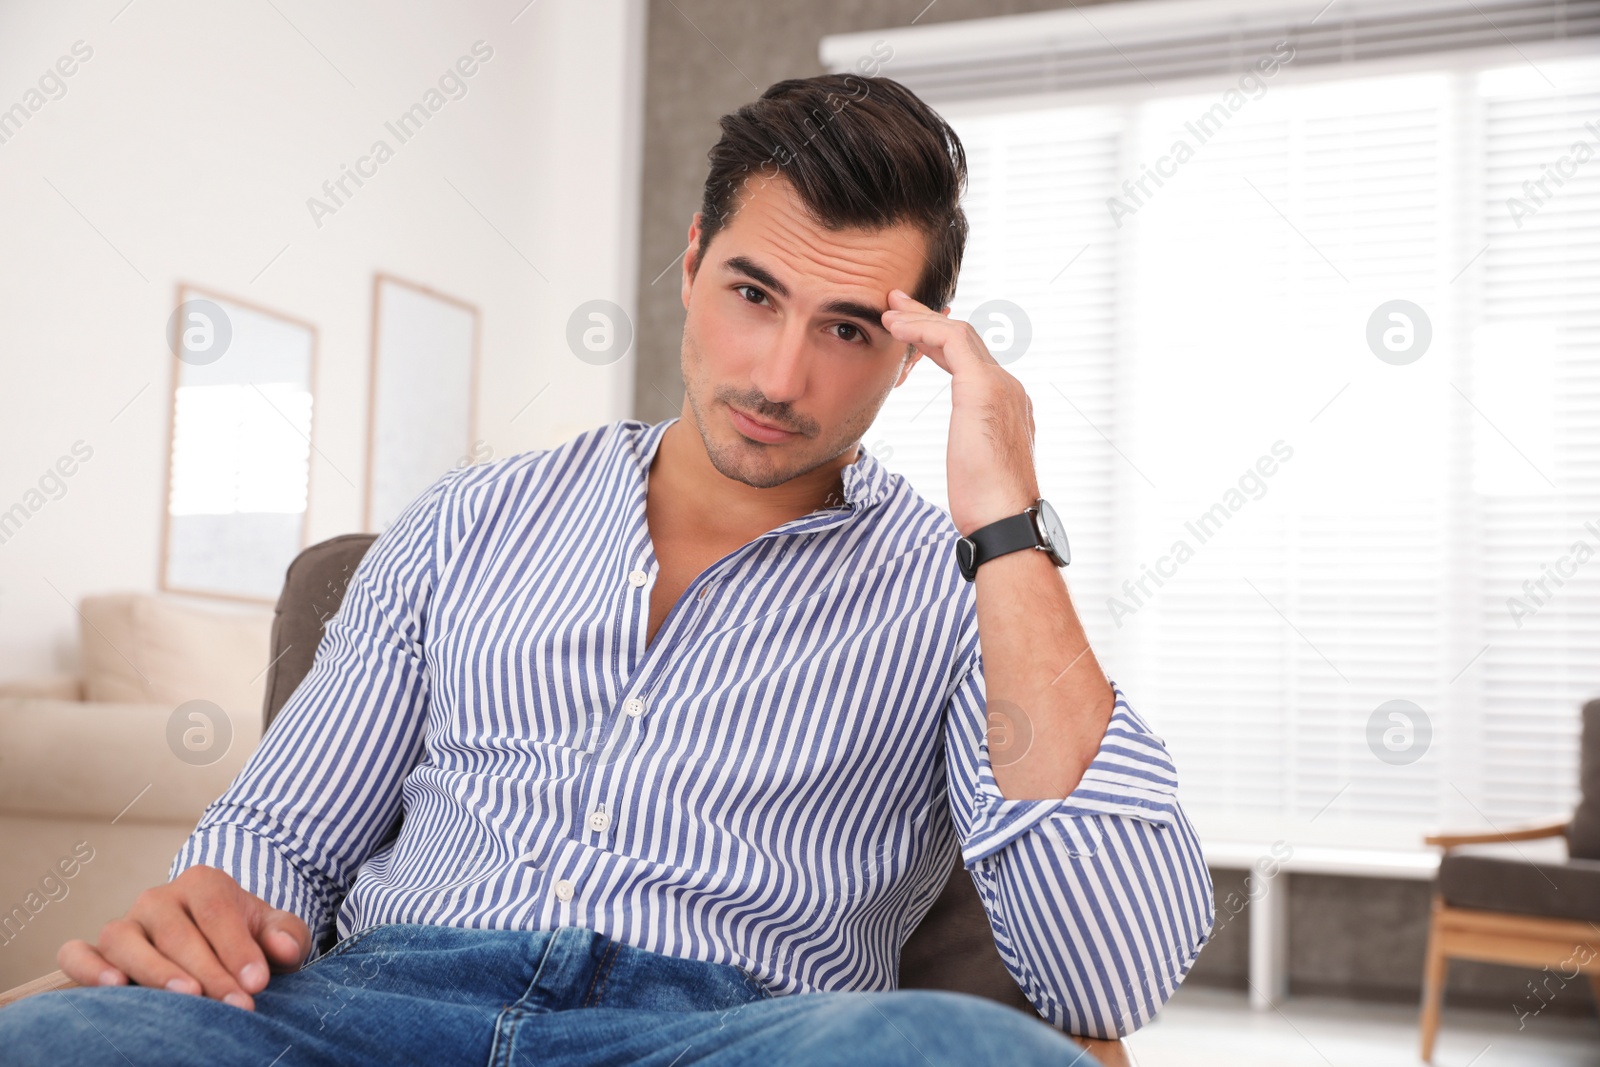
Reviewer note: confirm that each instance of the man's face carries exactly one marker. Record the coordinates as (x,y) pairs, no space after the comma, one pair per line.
(784,324)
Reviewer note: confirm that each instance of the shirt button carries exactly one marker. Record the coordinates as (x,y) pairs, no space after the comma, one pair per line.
(634,707)
(598,821)
(564,889)
(638,578)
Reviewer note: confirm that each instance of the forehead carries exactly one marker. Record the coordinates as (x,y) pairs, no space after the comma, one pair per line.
(770,223)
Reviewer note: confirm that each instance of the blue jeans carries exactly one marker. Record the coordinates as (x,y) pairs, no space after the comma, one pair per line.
(402,993)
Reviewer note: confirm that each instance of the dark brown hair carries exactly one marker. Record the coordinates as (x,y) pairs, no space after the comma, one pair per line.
(861,152)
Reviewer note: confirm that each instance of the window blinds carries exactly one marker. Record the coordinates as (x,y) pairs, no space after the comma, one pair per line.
(1277,533)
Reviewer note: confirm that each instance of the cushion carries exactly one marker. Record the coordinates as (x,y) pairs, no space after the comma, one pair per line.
(116,753)
(143,649)
(1569,890)
(1583,832)
(44,687)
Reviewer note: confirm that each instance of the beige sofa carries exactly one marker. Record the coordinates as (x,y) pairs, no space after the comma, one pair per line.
(103,774)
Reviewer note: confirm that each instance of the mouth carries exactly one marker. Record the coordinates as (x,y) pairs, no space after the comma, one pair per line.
(758,431)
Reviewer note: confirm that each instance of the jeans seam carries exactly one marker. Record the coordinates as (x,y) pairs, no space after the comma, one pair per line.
(602,972)
(508,1020)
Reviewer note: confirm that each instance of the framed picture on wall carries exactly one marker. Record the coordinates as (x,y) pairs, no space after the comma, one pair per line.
(239,446)
(422,409)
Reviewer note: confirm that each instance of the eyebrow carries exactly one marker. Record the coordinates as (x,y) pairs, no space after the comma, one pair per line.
(748,267)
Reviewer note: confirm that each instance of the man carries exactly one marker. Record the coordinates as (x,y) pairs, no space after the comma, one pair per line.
(655,746)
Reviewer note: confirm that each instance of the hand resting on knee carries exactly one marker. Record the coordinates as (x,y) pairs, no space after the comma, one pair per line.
(202,932)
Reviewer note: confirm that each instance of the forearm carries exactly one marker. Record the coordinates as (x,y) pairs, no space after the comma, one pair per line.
(1048,700)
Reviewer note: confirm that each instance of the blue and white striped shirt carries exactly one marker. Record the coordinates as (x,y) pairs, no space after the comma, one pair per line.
(780,781)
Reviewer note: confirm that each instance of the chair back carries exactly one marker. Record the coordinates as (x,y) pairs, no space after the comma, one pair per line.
(1583,832)
(952,948)
(313,589)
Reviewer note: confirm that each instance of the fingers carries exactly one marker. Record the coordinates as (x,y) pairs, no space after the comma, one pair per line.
(197,934)
(217,946)
(285,938)
(126,946)
(172,938)
(900,300)
(201,933)
(82,962)
(929,337)
(948,342)
(236,939)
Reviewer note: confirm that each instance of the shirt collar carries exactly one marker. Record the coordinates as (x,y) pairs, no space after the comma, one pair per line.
(866,481)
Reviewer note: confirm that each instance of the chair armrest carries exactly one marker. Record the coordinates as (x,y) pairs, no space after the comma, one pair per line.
(1522,833)
(53,980)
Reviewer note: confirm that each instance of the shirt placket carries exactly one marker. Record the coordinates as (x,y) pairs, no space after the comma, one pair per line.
(606,793)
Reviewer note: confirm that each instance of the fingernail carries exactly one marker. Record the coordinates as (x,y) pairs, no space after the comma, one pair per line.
(238,1000)
(180,985)
(253,974)
(109,977)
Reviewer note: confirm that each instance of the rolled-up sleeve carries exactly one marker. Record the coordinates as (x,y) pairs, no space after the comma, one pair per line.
(323,789)
(1100,901)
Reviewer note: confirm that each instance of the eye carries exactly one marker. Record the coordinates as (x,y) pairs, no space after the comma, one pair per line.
(855,334)
(741,289)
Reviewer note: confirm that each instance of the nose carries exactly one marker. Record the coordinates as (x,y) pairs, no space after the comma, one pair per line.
(780,373)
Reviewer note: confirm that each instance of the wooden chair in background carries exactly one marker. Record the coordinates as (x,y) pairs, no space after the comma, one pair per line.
(1508,908)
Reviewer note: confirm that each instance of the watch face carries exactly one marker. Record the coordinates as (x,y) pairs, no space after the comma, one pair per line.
(1050,525)
(966,551)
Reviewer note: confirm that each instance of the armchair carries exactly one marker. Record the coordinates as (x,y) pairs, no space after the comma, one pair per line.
(1514,910)
(953,948)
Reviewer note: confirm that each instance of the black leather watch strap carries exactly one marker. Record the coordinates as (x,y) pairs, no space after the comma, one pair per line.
(1010,534)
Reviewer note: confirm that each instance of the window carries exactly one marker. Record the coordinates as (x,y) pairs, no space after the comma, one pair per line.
(1318,399)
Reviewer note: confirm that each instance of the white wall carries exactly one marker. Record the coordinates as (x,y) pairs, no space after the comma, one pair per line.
(188,145)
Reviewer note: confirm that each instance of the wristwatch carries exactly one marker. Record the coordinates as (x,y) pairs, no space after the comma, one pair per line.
(1038,527)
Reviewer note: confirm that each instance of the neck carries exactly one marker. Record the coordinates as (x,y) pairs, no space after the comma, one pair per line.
(684,472)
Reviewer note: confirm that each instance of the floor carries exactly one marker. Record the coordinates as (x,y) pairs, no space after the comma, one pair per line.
(1201,1027)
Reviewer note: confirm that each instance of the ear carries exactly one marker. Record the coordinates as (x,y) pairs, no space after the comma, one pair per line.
(905,371)
(691,258)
